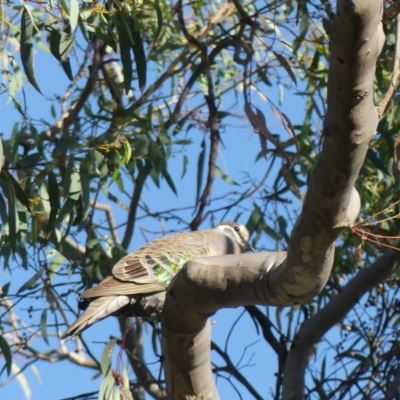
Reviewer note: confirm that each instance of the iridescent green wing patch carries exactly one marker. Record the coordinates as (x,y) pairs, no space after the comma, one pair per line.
(169,265)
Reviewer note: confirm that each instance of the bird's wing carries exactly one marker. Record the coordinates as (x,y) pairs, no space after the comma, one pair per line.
(160,260)
(111,287)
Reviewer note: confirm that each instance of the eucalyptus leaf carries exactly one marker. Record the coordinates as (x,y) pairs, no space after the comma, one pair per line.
(107,355)
(73,14)
(6,353)
(27,48)
(43,326)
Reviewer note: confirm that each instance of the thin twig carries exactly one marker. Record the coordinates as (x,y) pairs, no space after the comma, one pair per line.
(143,374)
(233,370)
(392,11)
(110,219)
(130,224)
(98,53)
(212,161)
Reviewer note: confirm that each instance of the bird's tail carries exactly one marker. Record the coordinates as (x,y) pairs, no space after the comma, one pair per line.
(97,310)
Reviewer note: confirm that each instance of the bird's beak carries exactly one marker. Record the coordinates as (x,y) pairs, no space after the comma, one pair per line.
(248,246)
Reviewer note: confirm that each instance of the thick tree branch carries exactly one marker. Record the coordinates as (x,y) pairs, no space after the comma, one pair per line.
(314,328)
(208,284)
(350,123)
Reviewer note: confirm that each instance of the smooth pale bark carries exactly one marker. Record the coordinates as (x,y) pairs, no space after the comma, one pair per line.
(356,41)
(331,204)
(314,328)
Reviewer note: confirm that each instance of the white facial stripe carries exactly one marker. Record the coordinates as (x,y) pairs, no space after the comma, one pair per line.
(238,237)
(244,233)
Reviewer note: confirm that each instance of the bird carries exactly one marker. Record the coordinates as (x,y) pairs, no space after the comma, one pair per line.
(150,269)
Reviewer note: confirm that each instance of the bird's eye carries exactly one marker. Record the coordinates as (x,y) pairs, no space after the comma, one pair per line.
(236,228)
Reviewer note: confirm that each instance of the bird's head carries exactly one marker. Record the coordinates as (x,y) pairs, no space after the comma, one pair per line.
(236,232)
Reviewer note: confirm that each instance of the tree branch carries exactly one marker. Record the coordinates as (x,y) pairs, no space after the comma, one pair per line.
(137,190)
(315,327)
(392,11)
(234,371)
(98,48)
(208,284)
(144,376)
(266,326)
(212,161)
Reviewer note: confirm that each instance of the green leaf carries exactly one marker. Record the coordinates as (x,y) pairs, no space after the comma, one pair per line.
(19,108)
(23,382)
(375,160)
(304,24)
(200,168)
(125,49)
(256,223)
(126,392)
(85,182)
(126,150)
(60,43)
(106,356)
(53,35)
(159,20)
(140,58)
(6,352)
(154,176)
(101,164)
(27,48)
(4,289)
(67,41)
(19,192)
(3,210)
(74,192)
(184,168)
(107,387)
(30,160)
(30,283)
(156,157)
(53,199)
(15,79)
(43,326)
(8,190)
(224,176)
(282,227)
(34,229)
(68,176)
(64,6)
(169,180)
(74,14)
